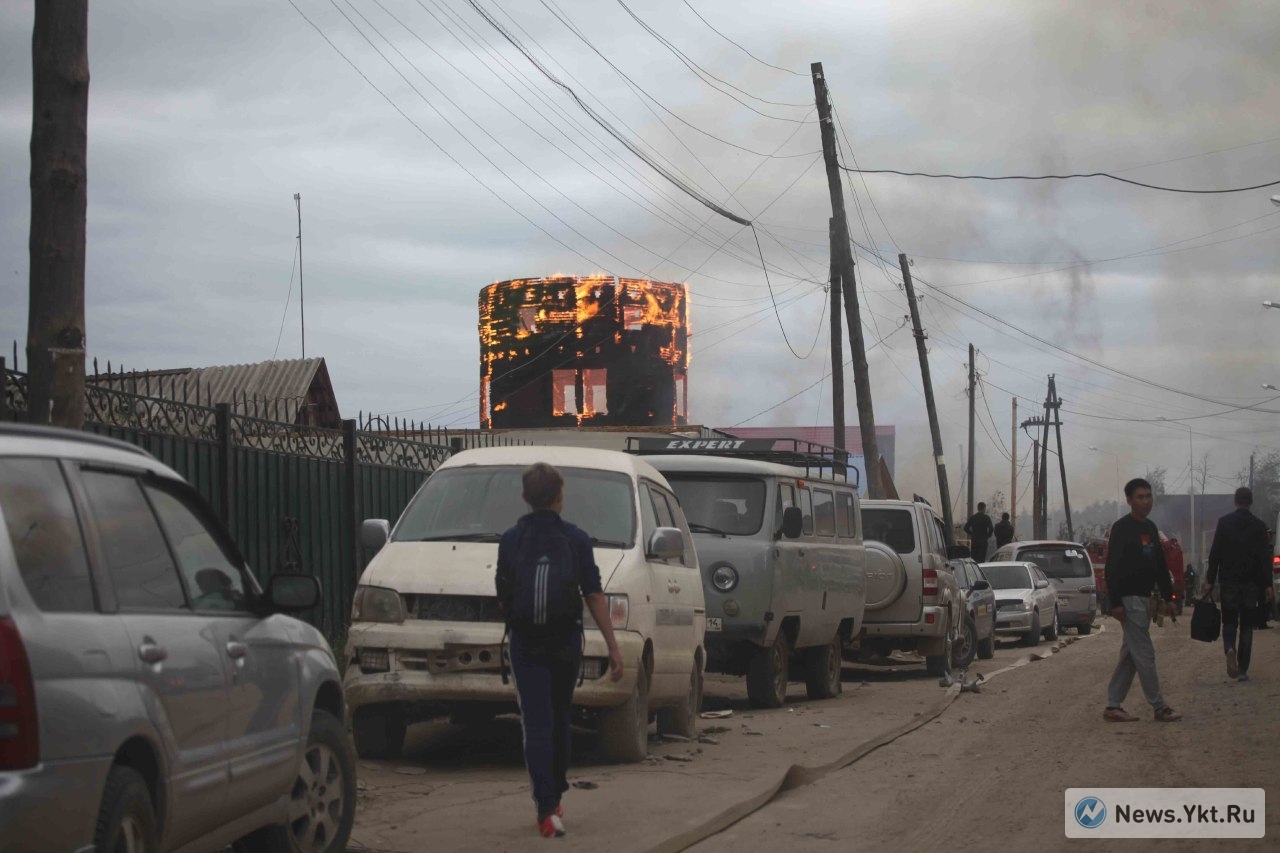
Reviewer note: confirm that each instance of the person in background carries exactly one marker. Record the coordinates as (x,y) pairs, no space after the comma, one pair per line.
(1240,565)
(979,528)
(1003,530)
(1136,566)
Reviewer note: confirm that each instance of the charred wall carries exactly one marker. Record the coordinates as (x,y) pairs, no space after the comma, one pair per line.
(583,351)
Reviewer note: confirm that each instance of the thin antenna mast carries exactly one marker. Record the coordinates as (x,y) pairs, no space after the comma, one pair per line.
(302,300)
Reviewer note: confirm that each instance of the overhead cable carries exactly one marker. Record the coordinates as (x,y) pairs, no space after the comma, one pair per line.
(1055,178)
(740,47)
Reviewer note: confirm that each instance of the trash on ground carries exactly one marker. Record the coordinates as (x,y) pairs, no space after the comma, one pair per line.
(716,715)
(585,785)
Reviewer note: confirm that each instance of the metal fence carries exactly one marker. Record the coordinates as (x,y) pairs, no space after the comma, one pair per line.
(292,495)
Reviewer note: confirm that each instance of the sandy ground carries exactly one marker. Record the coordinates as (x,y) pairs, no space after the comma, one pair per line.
(990,771)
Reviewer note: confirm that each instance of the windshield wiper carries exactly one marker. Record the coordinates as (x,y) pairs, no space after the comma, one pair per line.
(608,543)
(706,528)
(462,537)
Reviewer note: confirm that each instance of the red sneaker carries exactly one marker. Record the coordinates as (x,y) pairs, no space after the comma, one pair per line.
(550,827)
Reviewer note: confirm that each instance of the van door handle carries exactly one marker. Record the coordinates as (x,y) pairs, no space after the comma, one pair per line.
(149,652)
(237,650)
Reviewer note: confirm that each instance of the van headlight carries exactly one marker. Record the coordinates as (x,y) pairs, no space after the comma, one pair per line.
(724,578)
(377,604)
(619,611)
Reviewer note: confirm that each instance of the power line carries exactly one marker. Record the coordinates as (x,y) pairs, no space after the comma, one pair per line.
(1056,178)
(775,307)
(740,47)
(293,267)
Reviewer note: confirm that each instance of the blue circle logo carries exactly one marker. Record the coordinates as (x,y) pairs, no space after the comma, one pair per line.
(1091,812)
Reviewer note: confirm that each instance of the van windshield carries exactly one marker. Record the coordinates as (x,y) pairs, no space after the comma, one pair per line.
(890,526)
(732,505)
(1063,561)
(478,503)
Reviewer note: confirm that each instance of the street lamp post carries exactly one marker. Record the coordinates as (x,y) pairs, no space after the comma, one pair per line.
(1191,484)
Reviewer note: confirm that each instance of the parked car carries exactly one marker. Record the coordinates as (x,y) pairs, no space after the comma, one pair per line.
(1026,601)
(426,633)
(978,638)
(782,568)
(913,600)
(1068,565)
(152,696)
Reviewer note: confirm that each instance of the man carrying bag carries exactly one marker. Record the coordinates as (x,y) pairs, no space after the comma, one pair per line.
(1240,562)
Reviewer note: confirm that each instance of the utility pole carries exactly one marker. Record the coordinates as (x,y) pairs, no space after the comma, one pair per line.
(1062,464)
(837,352)
(1035,489)
(1044,470)
(1251,472)
(1191,488)
(1013,469)
(944,493)
(972,478)
(59,142)
(302,294)
(841,252)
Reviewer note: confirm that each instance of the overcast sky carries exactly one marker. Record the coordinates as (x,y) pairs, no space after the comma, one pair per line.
(206,118)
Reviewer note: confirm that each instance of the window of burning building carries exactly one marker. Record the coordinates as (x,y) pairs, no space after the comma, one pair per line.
(528,320)
(589,384)
(564,392)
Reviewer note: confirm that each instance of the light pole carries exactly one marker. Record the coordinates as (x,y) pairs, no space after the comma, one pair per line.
(1117,461)
(1191,484)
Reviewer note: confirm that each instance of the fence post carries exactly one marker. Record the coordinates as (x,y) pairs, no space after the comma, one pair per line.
(350,473)
(4,391)
(222,424)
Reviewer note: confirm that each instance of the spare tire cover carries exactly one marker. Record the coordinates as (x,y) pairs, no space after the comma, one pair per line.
(886,575)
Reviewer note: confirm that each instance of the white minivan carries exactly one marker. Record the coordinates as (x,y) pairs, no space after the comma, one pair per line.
(426,633)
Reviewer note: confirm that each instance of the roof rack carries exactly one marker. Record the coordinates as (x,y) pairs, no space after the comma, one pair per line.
(812,457)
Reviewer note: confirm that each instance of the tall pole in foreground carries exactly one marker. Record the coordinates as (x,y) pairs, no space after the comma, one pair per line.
(837,351)
(302,294)
(1062,464)
(56,243)
(944,493)
(972,467)
(1191,460)
(1013,472)
(840,251)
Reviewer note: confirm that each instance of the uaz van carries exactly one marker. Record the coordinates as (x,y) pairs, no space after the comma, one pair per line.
(426,633)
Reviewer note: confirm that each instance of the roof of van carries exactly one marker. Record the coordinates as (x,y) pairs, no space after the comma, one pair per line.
(732,465)
(1041,543)
(560,457)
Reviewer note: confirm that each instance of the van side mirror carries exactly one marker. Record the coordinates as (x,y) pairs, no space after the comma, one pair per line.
(980,585)
(1042,584)
(958,552)
(665,543)
(288,593)
(374,533)
(792,522)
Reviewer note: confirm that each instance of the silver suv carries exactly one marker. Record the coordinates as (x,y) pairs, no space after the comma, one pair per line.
(152,697)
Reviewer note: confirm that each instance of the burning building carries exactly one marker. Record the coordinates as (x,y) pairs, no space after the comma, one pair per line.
(583,351)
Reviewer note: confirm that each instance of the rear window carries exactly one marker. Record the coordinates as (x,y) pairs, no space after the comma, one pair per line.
(1008,577)
(891,526)
(1067,561)
(479,502)
(733,505)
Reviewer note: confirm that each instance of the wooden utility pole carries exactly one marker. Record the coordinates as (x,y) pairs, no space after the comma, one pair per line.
(972,467)
(944,493)
(1062,465)
(840,251)
(59,119)
(1035,489)
(1044,471)
(837,350)
(1013,470)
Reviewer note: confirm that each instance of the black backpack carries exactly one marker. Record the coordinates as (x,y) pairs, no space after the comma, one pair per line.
(541,594)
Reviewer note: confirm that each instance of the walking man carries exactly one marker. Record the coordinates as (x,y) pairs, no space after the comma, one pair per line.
(545,571)
(1136,566)
(1003,530)
(1240,564)
(979,528)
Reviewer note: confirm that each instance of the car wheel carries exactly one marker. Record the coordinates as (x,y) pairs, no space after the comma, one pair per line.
(1051,633)
(1085,629)
(1032,637)
(624,730)
(322,804)
(822,670)
(940,665)
(379,731)
(962,653)
(987,647)
(126,817)
(767,674)
(683,721)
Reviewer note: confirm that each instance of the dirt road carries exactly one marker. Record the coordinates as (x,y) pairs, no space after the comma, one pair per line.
(990,769)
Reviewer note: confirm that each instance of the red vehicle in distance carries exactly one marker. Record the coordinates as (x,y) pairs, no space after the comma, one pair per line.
(1173,558)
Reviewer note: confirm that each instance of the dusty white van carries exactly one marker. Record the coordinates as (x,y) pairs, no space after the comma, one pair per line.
(425,635)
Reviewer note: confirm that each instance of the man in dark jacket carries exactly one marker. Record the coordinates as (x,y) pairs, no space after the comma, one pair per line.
(1003,530)
(979,528)
(1240,564)
(1136,566)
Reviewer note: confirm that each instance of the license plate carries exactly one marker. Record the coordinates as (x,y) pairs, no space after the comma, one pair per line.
(713,623)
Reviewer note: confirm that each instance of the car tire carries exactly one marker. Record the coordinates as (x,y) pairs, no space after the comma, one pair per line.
(322,803)
(987,647)
(940,665)
(683,721)
(379,731)
(126,817)
(1051,633)
(624,730)
(1085,629)
(823,670)
(1032,637)
(767,674)
(966,646)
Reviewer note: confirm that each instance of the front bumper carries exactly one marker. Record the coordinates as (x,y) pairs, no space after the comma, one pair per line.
(1014,621)
(923,627)
(439,662)
(53,806)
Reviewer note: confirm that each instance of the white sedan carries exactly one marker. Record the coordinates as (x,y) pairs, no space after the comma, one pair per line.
(1026,601)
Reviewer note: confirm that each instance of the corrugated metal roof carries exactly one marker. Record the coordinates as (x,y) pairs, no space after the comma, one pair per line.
(282,385)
